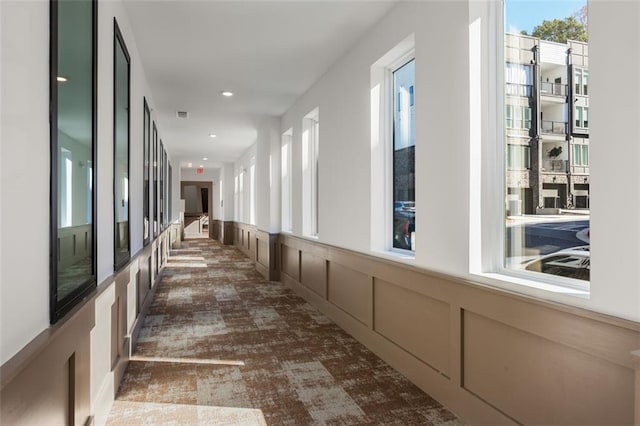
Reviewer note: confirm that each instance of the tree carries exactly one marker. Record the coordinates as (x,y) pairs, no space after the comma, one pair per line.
(561,30)
(582,16)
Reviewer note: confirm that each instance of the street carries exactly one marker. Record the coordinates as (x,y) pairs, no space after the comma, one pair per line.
(545,236)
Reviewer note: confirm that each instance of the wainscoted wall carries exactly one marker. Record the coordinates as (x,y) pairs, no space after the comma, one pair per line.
(71,372)
(259,246)
(489,356)
(74,244)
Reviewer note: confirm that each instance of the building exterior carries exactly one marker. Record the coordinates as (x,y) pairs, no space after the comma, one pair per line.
(546,125)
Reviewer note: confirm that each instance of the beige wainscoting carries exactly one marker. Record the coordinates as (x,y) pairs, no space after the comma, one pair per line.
(489,356)
(259,246)
(70,373)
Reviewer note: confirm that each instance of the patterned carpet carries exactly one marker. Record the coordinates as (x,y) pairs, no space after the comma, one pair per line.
(221,345)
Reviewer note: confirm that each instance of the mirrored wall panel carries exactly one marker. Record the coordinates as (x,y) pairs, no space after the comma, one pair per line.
(73,106)
(146,136)
(161,192)
(121,77)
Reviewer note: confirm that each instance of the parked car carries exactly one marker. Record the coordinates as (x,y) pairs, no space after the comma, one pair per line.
(572,262)
(404,224)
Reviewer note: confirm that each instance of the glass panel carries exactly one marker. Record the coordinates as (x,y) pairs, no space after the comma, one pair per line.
(72,36)
(121,151)
(544,234)
(161,189)
(404,144)
(169,198)
(146,234)
(155,180)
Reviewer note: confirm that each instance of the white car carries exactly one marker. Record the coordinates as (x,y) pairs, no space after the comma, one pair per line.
(572,262)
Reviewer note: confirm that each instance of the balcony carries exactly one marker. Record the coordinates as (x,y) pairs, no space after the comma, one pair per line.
(554,127)
(554,166)
(517,89)
(553,89)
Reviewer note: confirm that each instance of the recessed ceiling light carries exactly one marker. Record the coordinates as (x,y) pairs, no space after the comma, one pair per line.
(201,166)
(61,79)
(211,135)
(205,158)
(189,164)
(226,93)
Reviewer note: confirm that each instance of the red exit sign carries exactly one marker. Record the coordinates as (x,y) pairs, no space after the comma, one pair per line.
(200,171)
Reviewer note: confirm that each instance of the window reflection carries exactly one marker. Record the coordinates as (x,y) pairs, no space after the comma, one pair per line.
(72,37)
(121,151)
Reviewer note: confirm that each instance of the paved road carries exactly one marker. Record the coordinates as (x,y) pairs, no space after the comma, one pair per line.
(548,237)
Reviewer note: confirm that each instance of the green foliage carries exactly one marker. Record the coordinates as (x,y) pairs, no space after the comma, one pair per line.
(561,30)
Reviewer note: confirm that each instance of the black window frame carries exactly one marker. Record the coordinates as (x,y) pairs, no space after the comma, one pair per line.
(146,166)
(58,309)
(154,190)
(161,184)
(119,39)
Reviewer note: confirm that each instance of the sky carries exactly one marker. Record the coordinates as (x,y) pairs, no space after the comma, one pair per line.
(526,14)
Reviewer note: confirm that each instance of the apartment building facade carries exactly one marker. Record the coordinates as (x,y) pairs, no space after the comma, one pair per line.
(546,125)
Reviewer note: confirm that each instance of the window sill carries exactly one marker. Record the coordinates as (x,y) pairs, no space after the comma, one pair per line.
(528,286)
(396,256)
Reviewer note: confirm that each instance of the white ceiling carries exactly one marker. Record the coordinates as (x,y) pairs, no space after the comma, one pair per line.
(267,52)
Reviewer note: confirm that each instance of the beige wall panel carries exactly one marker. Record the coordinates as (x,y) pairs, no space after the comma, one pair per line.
(290,262)
(351,291)
(536,381)
(263,252)
(314,273)
(417,323)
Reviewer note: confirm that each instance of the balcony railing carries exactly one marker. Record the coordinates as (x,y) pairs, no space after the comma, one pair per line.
(559,166)
(554,89)
(517,89)
(555,127)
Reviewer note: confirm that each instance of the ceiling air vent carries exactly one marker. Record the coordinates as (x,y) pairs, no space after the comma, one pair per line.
(182,114)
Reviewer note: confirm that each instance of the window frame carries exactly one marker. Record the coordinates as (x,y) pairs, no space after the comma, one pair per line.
(119,39)
(154,190)
(286,184)
(146,174)
(488,173)
(311,176)
(58,309)
(389,123)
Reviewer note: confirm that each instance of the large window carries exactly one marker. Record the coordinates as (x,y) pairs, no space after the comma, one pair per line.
(546,221)
(72,82)
(518,117)
(310,163)
(146,143)
(155,180)
(286,180)
(161,183)
(581,155)
(121,84)
(252,194)
(404,146)
(582,117)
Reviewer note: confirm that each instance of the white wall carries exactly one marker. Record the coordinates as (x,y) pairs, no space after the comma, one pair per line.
(24,282)
(243,165)
(443,148)
(268,175)
(24,162)
(227,178)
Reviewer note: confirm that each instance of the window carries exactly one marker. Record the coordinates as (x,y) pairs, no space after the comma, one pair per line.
(161,183)
(581,155)
(252,194)
(582,117)
(581,81)
(146,143)
(155,180)
(236,199)
(241,197)
(310,162)
(544,237)
(72,79)
(404,145)
(170,196)
(286,179)
(518,157)
(121,78)
(518,117)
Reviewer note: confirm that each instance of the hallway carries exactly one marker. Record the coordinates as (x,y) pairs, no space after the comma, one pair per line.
(221,345)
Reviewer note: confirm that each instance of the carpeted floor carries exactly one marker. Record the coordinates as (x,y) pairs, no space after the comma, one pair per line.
(220,345)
